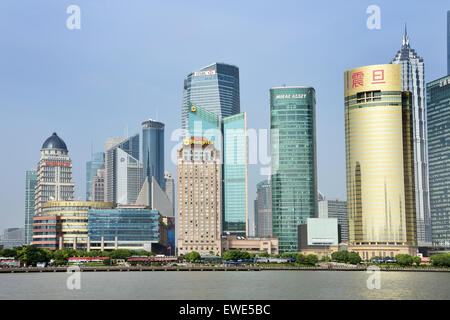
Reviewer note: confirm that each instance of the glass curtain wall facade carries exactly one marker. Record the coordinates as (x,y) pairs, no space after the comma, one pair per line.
(438,102)
(379,157)
(229,134)
(294,168)
(133,227)
(215,88)
(263,209)
(413,79)
(97,161)
(153,151)
(30,184)
(235,213)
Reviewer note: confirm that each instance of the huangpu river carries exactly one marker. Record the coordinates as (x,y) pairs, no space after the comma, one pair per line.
(258,285)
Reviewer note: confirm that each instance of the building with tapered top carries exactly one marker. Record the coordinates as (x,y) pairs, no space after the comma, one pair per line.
(379,162)
(413,80)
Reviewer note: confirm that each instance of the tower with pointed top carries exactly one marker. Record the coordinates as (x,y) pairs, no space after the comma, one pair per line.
(413,79)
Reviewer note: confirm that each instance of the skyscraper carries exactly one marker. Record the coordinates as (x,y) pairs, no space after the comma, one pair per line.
(124,175)
(170,188)
(235,212)
(380,162)
(438,101)
(153,151)
(228,134)
(214,88)
(263,209)
(54,173)
(448,42)
(199,185)
(96,162)
(413,79)
(98,185)
(294,168)
(30,184)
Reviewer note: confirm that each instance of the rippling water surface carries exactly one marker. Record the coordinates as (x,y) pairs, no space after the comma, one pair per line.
(227,285)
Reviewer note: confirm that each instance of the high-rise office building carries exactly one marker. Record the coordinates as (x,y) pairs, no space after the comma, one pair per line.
(54,173)
(438,112)
(13,237)
(30,184)
(263,209)
(448,42)
(413,79)
(214,88)
(294,168)
(170,188)
(98,185)
(199,185)
(96,162)
(124,172)
(228,134)
(335,209)
(380,162)
(153,151)
(235,212)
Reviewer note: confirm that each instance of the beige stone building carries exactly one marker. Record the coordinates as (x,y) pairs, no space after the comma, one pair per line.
(251,245)
(199,197)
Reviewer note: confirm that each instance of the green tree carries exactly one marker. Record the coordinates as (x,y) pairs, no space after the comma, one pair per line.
(8,252)
(404,259)
(235,255)
(441,260)
(354,258)
(340,256)
(192,256)
(263,255)
(300,258)
(417,260)
(31,255)
(311,259)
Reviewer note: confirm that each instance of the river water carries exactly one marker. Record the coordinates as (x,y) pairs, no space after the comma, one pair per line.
(230,285)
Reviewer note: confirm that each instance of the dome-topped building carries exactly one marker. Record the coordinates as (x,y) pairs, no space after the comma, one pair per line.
(54,142)
(54,173)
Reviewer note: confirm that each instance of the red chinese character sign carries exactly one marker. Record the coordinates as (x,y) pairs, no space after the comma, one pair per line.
(358,79)
(378,77)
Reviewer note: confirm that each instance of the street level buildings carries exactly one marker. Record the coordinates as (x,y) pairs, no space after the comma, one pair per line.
(199,186)
(438,100)
(30,185)
(64,224)
(54,173)
(379,161)
(413,80)
(335,209)
(294,168)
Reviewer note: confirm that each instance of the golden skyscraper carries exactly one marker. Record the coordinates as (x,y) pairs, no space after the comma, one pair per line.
(380,162)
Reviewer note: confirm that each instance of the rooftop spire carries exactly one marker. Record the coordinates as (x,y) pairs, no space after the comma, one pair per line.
(405,42)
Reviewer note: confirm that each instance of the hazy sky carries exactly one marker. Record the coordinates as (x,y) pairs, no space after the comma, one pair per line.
(127,64)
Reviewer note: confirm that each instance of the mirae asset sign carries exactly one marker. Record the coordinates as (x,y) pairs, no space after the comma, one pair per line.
(291,96)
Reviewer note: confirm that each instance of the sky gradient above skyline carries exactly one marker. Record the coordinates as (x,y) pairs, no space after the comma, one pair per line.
(128,61)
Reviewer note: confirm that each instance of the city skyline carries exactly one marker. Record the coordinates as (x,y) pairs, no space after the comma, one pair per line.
(79,144)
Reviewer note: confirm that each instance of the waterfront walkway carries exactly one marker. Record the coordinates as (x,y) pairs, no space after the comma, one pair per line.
(210,268)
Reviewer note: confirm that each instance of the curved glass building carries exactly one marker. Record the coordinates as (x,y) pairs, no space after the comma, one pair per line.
(153,151)
(215,88)
(379,160)
(294,169)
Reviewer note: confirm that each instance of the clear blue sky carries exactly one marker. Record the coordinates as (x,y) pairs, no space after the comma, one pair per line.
(128,62)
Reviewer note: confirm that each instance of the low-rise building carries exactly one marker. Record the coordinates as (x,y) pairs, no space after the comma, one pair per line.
(251,245)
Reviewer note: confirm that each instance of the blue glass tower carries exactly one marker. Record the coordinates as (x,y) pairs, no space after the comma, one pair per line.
(214,88)
(153,151)
(97,161)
